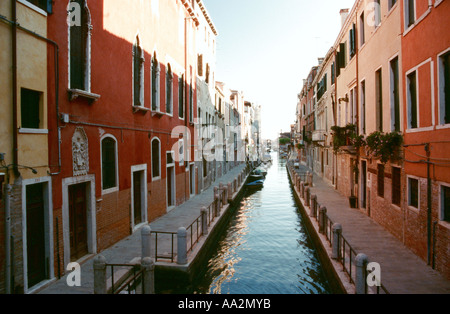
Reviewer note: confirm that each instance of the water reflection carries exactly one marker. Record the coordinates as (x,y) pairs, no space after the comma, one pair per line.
(265,249)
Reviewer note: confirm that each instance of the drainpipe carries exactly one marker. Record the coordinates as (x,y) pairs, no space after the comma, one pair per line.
(14,86)
(428,151)
(8,273)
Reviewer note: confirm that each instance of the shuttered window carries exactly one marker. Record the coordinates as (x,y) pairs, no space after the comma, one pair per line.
(78,52)
(155,84)
(169,90)
(413,192)
(156,158)
(446,85)
(380,180)
(412,100)
(445,199)
(46,5)
(138,65)
(181,97)
(109,163)
(396,186)
(395,94)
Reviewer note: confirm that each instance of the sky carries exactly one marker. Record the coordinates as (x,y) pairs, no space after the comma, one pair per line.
(266,48)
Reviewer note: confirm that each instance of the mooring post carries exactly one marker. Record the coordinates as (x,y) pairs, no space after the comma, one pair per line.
(302,190)
(204,213)
(99,275)
(337,231)
(182,246)
(361,262)
(230,193)
(313,207)
(308,197)
(322,213)
(146,239)
(148,282)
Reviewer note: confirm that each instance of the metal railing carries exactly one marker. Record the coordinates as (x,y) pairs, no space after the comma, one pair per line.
(167,255)
(129,282)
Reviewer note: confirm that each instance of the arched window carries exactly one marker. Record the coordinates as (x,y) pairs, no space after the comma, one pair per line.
(155,84)
(109,163)
(169,90)
(181,97)
(156,158)
(80,47)
(138,74)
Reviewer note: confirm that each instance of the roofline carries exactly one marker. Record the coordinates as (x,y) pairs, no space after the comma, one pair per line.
(207,16)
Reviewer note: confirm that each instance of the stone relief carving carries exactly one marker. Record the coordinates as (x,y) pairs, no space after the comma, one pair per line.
(80,152)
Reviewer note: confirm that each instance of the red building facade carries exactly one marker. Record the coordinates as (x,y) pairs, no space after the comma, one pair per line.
(426,116)
(123,117)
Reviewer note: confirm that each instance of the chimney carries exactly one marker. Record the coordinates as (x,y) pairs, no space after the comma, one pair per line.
(320,60)
(344,14)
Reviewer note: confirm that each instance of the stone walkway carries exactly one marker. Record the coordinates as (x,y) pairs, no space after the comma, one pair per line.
(129,249)
(402,272)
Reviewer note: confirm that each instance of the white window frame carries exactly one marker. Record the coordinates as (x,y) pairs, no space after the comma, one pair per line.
(87,69)
(441,91)
(137,43)
(169,103)
(174,183)
(406,14)
(408,192)
(408,99)
(157,83)
(159,158)
(391,92)
(116,188)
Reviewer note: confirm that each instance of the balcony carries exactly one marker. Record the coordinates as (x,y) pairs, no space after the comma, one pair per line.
(318,136)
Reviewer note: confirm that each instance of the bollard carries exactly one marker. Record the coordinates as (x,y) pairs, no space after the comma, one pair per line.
(216,190)
(313,207)
(308,196)
(229,193)
(322,213)
(337,231)
(302,190)
(99,275)
(204,213)
(361,262)
(148,277)
(217,205)
(235,185)
(181,246)
(146,240)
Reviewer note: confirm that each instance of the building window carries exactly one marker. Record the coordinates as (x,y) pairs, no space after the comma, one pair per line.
(200,65)
(396,186)
(380,180)
(413,192)
(191,103)
(169,90)
(155,84)
(79,46)
(138,74)
(30,108)
(395,95)
(379,100)
(181,97)
(445,203)
(363,107)
(45,5)
(391,3)
(411,95)
(156,158)
(444,88)
(352,41)
(410,12)
(109,163)
(362,35)
(207,74)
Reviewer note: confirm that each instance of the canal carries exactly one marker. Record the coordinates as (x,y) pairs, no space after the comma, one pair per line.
(265,248)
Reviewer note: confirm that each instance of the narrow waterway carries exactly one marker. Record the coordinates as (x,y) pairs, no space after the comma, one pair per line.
(266,248)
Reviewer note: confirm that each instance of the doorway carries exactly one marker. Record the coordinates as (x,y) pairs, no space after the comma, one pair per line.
(37,260)
(78,221)
(138,196)
(363,184)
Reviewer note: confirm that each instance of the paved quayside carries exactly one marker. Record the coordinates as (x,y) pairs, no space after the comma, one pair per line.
(129,250)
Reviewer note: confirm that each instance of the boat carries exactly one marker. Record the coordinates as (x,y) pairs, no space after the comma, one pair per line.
(255,177)
(255,184)
(260,172)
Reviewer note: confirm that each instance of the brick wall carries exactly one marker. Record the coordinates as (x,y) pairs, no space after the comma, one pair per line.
(157,205)
(16,232)
(2,242)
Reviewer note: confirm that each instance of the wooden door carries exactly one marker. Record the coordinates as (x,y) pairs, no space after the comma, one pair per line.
(36,256)
(78,221)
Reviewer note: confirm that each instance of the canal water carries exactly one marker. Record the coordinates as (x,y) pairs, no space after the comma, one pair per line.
(266,248)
